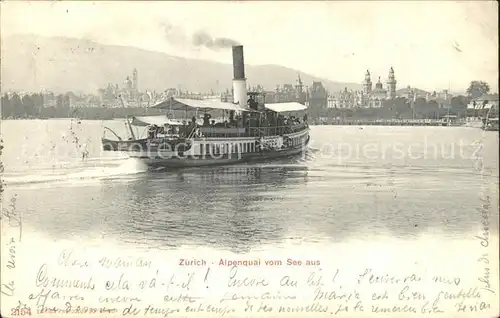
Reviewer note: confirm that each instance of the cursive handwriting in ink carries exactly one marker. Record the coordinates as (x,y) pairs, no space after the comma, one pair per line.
(10,213)
(485,279)
(82,311)
(66,259)
(264,296)
(44,280)
(120,284)
(472,307)
(315,279)
(320,294)
(9,288)
(11,260)
(314,307)
(14,220)
(179,282)
(286,281)
(236,281)
(485,230)
(43,295)
(484,241)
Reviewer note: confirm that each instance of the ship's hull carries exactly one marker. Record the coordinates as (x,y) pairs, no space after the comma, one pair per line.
(200,161)
(201,151)
(222,151)
(122,145)
(131,145)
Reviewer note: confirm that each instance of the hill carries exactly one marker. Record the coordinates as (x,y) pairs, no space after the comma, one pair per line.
(406,90)
(32,63)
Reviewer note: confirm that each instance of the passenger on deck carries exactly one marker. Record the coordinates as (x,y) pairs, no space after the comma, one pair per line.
(232,121)
(252,103)
(151,132)
(206,120)
(280,122)
(183,129)
(160,130)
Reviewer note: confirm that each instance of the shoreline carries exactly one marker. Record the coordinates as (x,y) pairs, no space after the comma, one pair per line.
(360,122)
(380,122)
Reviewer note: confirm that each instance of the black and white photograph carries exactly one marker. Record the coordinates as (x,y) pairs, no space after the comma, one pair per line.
(249,159)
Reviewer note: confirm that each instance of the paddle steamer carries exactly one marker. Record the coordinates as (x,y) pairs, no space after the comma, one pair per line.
(254,130)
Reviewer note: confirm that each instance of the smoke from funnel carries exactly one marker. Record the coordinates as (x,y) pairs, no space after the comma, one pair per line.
(202,38)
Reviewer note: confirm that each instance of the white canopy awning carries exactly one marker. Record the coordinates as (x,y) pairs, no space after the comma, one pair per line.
(202,104)
(480,106)
(285,107)
(143,121)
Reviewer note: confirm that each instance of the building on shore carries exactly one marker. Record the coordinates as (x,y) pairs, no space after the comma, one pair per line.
(485,101)
(317,96)
(443,98)
(282,94)
(374,98)
(368,97)
(128,95)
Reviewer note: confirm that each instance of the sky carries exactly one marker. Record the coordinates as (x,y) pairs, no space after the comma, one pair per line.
(431,45)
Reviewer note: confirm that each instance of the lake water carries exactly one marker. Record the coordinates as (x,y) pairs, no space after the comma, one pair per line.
(353,183)
(409,193)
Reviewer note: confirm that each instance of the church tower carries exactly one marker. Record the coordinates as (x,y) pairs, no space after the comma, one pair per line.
(299,91)
(134,80)
(367,84)
(299,86)
(391,84)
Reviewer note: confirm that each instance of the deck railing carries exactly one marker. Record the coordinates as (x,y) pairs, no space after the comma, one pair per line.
(223,132)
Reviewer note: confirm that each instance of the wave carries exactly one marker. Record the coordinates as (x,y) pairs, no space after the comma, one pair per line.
(92,169)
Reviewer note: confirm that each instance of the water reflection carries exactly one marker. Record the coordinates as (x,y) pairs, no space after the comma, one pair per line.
(219,207)
(244,207)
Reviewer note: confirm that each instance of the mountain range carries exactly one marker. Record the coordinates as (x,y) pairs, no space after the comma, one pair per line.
(31,63)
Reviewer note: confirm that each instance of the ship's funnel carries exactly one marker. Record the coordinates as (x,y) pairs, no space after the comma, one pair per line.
(239,80)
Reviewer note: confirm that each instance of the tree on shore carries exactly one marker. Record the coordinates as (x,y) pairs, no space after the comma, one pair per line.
(59,102)
(431,109)
(6,106)
(28,106)
(16,105)
(399,107)
(38,101)
(477,89)
(459,104)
